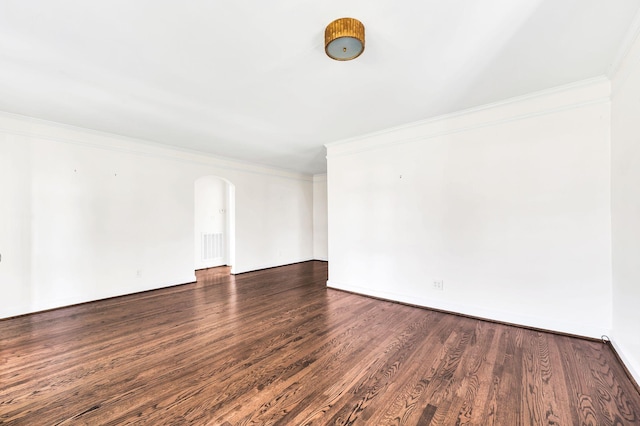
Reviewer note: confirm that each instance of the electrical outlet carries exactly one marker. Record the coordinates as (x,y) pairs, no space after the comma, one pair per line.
(139,273)
(438,285)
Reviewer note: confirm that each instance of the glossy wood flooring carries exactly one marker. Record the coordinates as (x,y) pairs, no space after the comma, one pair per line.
(278,347)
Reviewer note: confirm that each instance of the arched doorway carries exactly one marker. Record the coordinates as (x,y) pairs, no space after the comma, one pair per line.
(214,231)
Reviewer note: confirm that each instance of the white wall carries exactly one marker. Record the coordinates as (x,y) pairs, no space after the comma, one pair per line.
(508,204)
(320,229)
(625,202)
(86,215)
(15,229)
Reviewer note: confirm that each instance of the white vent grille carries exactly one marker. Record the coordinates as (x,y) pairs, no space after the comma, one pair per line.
(212,246)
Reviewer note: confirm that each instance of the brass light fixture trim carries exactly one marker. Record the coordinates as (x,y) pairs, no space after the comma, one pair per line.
(344,39)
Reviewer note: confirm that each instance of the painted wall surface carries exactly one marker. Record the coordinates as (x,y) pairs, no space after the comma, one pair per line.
(15,213)
(86,215)
(508,206)
(625,207)
(320,229)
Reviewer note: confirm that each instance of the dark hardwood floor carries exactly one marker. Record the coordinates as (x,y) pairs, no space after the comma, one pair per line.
(278,347)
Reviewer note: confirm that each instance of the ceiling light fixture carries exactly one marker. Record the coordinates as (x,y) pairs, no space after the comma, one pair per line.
(344,39)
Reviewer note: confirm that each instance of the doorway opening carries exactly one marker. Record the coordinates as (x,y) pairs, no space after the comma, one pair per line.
(214,231)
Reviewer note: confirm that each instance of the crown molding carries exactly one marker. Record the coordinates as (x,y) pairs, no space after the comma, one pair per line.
(631,36)
(21,125)
(588,92)
(628,59)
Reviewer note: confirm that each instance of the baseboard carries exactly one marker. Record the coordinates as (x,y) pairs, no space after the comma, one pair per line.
(267,266)
(45,306)
(633,370)
(508,318)
(213,267)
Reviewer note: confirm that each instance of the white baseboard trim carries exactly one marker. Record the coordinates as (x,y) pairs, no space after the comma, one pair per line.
(478,312)
(46,305)
(629,362)
(254,268)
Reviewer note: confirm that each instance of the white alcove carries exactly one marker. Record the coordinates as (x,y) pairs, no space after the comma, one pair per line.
(214,233)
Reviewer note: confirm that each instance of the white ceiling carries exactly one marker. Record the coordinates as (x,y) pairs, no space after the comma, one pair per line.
(248,79)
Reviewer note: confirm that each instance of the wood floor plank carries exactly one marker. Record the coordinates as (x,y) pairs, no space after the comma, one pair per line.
(276,347)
